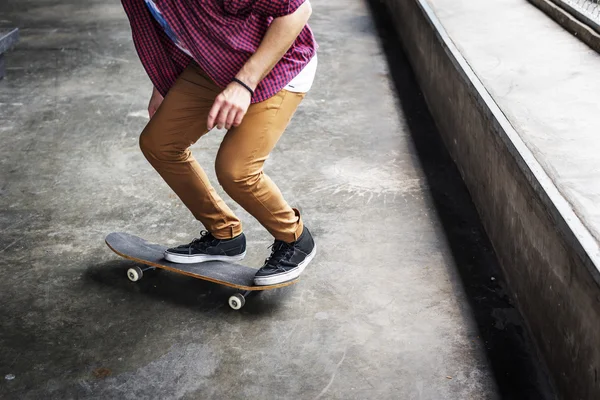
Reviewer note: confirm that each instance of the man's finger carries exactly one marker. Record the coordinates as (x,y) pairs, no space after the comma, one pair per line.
(222,118)
(231,117)
(214,112)
(238,118)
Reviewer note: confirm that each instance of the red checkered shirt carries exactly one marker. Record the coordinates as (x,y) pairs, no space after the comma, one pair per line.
(221,35)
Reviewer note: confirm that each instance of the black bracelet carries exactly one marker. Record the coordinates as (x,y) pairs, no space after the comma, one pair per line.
(236,80)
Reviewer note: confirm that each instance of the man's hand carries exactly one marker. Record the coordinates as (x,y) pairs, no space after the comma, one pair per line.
(230,107)
(155,102)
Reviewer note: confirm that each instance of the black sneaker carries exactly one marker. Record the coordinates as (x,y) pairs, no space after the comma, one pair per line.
(287,260)
(208,248)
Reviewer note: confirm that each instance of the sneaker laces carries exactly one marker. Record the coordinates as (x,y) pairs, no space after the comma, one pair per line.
(281,253)
(205,240)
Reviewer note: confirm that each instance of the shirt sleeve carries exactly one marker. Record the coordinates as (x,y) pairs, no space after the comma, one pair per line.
(277,8)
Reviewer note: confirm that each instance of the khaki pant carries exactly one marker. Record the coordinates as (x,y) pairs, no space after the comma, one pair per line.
(181,121)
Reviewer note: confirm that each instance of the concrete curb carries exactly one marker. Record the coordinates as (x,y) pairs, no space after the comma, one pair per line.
(570,20)
(549,257)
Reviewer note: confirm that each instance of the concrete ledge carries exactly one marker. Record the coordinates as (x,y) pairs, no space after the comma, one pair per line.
(549,257)
(8,38)
(568,19)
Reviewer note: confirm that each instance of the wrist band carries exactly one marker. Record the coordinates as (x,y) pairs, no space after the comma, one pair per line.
(236,80)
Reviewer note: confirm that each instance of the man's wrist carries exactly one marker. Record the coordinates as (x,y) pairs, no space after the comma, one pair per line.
(244,85)
(250,73)
(248,79)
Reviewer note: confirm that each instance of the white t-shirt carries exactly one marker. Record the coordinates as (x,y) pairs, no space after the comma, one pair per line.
(304,80)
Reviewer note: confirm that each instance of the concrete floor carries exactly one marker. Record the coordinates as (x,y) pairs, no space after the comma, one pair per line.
(404,300)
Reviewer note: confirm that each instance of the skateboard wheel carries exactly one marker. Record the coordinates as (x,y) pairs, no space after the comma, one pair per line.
(237,301)
(135,274)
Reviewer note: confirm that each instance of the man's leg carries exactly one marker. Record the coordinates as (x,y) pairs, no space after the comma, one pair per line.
(240,161)
(239,168)
(179,122)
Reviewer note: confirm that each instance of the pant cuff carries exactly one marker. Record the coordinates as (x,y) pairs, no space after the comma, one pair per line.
(228,233)
(300,227)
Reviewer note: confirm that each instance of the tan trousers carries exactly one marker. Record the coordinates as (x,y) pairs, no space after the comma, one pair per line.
(181,120)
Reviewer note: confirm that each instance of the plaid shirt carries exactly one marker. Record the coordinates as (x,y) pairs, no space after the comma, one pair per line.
(221,35)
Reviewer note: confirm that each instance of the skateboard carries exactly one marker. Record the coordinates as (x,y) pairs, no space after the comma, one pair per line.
(232,275)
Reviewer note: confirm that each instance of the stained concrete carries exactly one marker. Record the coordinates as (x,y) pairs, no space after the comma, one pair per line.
(404,301)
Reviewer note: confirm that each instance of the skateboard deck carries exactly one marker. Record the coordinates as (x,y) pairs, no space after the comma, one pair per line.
(233,275)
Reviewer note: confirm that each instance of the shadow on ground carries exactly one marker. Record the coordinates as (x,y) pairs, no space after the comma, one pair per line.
(181,291)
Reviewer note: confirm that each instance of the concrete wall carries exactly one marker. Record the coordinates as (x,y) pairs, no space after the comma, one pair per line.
(554,280)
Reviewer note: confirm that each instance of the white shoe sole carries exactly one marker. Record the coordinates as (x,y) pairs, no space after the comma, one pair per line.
(199,258)
(287,276)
